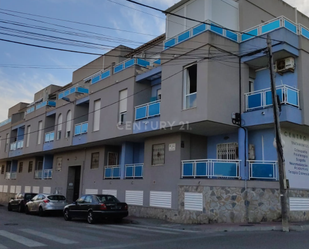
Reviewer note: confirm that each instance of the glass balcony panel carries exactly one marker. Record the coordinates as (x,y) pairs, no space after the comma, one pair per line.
(228,169)
(141,112)
(154,109)
(129,171)
(84,127)
(262,170)
(51,136)
(292,97)
(187,169)
(255,101)
(108,173)
(47,137)
(201,169)
(77,130)
(139,171)
(116,172)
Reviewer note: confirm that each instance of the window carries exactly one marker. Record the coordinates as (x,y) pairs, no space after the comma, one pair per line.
(112,158)
(227,151)
(158,154)
(88,199)
(190,86)
(20,167)
(59,127)
(8,167)
(7,142)
(123,95)
(30,166)
(28,135)
(96,116)
(159,94)
(2,169)
(68,124)
(40,132)
(251,85)
(95,160)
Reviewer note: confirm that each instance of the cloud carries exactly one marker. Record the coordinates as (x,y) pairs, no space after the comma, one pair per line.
(22,89)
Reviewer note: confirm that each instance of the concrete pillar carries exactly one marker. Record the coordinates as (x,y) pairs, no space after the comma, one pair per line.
(243,153)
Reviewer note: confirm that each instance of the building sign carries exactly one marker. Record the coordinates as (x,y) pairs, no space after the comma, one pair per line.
(296,153)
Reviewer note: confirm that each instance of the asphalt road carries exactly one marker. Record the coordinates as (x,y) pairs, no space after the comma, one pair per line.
(18,231)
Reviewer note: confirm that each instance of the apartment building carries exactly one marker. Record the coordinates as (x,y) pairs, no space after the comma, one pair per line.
(180,128)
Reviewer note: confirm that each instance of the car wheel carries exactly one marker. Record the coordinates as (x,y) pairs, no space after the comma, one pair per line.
(27,210)
(41,211)
(66,215)
(9,207)
(90,218)
(20,209)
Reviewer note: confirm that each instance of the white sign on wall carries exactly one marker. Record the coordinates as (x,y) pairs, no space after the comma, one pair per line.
(296,154)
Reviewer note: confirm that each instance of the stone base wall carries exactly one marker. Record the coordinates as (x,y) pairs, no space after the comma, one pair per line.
(226,205)
(5,198)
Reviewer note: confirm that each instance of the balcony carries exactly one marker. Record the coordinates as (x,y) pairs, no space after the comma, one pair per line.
(47,173)
(134,171)
(5,122)
(210,168)
(148,110)
(81,128)
(129,63)
(17,145)
(112,172)
(72,90)
(263,170)
(38,174)
(49,137)
(10,175)
(263,98)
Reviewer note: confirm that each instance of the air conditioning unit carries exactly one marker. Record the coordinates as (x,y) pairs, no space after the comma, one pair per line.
(285,65)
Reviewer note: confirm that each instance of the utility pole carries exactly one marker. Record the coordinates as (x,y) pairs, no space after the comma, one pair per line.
(281,164)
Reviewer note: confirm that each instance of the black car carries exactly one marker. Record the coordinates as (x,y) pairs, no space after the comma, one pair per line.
(18,203)
(96,207)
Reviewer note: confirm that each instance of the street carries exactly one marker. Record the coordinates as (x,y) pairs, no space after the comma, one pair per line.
(18,230)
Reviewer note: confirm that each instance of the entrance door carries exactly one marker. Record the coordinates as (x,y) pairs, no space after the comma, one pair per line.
(73,183)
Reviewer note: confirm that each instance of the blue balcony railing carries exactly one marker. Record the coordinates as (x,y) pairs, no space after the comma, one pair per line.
(71,91)
(264,170)
(263,98)
(130,62)
(81,128)
(112,172)
(210,168)
(45,103)
(148,110)
(47,173)
(134,170)
(49,137)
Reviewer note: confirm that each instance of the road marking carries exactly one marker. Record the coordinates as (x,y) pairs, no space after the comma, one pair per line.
(20,239)
(49,236)
(142,228)
(108,233)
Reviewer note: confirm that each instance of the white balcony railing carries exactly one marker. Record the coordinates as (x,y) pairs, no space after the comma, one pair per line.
(266,170)
(112,172)
(13,146)
(20,144)
(10,175)
(38,174)
(210,168)
(47,173)
(134,170)
(263,98)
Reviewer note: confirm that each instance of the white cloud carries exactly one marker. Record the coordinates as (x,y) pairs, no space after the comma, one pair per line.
(22,90)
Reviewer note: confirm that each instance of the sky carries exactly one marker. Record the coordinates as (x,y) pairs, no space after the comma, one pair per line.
(24,70)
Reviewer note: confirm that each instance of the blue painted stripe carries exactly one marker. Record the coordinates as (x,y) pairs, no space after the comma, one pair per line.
(106,74)
(169,43)
(118,68)
(129,63)
(249,34)
(305,32)
(199,29)
(262,170)
(215,28)
(184,36)
(95,79)
(82,90)
(290,26)
(72,90)
(233,36)
(154,109)
(51,103)
(270,26)
(66,93)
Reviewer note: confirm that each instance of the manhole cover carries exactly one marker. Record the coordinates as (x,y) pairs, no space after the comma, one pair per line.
(10,224)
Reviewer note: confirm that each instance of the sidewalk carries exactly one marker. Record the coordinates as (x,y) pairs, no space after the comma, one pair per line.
(209,228)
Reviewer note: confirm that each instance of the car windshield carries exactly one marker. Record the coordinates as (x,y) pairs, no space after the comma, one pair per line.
(107,198)
(29,196)
(56,197)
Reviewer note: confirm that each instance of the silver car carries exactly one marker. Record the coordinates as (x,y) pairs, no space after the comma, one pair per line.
(43,203)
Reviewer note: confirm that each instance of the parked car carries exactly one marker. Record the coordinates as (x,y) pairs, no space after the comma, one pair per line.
(43,203)
(96,207)
(18,203)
